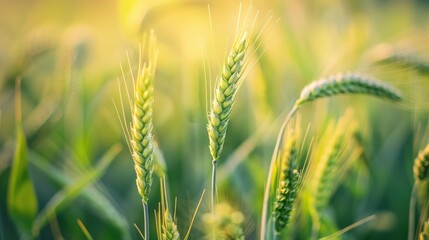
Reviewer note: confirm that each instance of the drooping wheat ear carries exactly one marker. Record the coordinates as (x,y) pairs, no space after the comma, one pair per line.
(389,55)
(169,228)
(347,83)
(226,222)
(225,90)
(141,126)
(289,184)
(421,165)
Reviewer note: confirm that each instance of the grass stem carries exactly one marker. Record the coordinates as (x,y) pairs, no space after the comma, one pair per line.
(146,221)
(213,186)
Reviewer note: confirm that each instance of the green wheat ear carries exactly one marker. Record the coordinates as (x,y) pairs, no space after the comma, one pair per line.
(169,228)
(224,95)
(347,83)
(421,165)
(141,126)
(289,184)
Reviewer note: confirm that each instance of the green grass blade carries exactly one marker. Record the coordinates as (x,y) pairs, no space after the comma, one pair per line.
(21,196)
(95,200)
(71,192)
(84,230)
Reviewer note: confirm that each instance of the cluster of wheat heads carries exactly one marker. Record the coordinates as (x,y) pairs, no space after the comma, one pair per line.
(342,83)
(330,162)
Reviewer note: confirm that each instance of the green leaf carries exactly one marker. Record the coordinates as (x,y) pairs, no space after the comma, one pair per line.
(67,195)
(91,196)
(21,196)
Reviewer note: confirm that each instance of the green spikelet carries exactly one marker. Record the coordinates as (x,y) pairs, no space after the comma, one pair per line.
(169,228)
(347,83)
(224,95)
(421,165)
(287,190)
(141,128)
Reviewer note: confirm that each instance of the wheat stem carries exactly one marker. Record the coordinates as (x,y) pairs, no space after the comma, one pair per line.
(213,188)
(146,220)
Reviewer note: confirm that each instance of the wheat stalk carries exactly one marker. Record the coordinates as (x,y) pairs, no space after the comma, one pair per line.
(223,101)
(289,183)
(342,83)
(141,137)
(421,165)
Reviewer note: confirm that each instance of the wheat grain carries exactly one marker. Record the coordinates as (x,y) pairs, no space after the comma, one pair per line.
(421,165)
(347,83)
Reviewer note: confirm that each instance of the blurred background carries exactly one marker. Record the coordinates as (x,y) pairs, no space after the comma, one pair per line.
(68,55)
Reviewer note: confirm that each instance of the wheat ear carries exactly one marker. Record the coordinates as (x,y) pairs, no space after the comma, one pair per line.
(141,131)
(327,172)
(169,228)
(389,55)
(421,165)
(289,183)
(141,138)
(347,83)
(342,83)
(225,91)
(224,96)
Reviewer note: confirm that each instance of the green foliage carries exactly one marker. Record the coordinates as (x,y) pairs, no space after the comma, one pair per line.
(68,55)
(21,195)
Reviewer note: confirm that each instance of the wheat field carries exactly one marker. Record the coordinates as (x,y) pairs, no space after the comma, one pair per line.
(202,119)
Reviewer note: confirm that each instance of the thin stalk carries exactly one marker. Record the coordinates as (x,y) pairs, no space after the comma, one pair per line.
(270,173)
(214,164)
(146,221)
(412,213)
